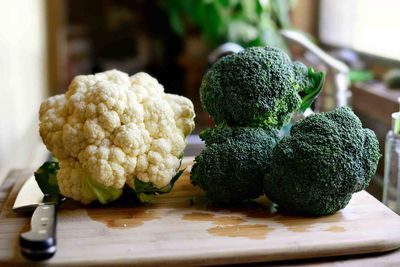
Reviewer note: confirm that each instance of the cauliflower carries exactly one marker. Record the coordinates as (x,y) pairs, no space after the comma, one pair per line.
(110,129)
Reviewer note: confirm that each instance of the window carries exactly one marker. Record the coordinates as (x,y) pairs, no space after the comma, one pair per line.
(367,26)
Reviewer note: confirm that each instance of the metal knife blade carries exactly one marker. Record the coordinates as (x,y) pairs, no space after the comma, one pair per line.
(28,198)
(40,242)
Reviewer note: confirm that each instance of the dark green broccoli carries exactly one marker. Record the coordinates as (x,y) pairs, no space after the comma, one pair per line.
(232,166)
(258,87)
(327,158)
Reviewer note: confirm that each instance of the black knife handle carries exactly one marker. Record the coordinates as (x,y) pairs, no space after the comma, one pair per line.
(40,242)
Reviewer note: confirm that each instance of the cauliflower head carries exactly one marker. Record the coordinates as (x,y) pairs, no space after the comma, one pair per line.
(110,129)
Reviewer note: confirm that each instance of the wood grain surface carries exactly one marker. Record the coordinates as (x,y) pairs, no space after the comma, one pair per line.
(181,229)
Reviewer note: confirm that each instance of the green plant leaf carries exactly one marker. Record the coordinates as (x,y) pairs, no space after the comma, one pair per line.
(146,191)
(360,76)
(318,79)
(263,6)
(241,32)
(280,12)
(168,188)
(46,178)
(212,23)
(176,23)
(145,198)
(215,19)
(198,12)
(103,193)
(270,35)
(225,3)
(249,10)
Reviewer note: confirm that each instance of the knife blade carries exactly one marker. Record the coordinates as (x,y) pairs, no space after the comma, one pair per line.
(39,243)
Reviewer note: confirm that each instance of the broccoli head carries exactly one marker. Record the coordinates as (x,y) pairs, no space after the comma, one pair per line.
(232,166)
(327,158)
(258,87)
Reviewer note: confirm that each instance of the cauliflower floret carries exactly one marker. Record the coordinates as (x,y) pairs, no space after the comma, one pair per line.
(52,119)
(114,129)
(69,179)
(184,112)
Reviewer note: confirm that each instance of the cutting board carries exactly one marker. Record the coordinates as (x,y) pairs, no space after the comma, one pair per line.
(179,228)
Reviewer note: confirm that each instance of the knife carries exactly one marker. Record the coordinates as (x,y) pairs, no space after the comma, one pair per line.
(40,242)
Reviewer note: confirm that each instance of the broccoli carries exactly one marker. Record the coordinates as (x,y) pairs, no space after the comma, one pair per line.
(327,158)
(258,87)
(232,166)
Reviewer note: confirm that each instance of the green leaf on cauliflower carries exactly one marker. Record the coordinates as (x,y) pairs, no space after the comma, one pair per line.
(46,178)
(103,193)
(146,191)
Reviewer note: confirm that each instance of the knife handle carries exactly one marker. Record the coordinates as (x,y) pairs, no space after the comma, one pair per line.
(40,242)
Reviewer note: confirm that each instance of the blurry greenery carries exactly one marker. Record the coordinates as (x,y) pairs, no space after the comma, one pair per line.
(246,22)
(360,76)
(392,79)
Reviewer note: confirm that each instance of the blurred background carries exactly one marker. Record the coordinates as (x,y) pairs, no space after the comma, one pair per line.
(44,44)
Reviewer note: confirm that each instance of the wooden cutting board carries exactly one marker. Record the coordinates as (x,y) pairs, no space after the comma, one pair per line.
(180,229)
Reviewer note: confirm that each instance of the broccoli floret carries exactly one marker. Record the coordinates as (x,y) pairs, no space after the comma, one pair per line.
(301,75)
(327,158)
(258,87)
(232,166)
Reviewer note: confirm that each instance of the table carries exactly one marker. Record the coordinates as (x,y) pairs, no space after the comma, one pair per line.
(377,259)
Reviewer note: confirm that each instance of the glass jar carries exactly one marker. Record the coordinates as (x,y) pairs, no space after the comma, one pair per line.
(391,180)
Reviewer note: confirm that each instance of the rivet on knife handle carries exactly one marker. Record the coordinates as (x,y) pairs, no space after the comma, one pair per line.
(40,242)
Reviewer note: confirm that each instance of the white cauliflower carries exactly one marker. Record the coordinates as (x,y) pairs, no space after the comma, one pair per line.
(110,129)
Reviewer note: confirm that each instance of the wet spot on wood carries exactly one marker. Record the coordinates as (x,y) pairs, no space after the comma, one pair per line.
(299,228)
(303,223)
(215,219)
(122,218)
(229,225)
(336,229)
(252,231)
